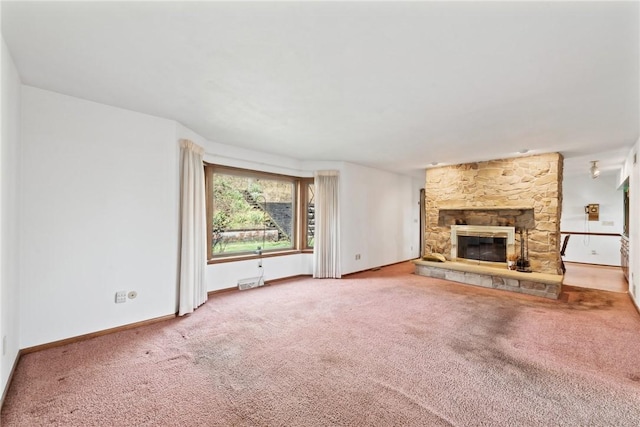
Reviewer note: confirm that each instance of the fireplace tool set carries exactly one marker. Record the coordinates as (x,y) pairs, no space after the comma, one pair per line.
(523,262)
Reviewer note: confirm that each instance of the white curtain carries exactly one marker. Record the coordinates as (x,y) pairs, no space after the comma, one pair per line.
(326,246)
(193,241)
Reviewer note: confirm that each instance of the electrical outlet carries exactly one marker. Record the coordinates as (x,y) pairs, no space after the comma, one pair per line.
(121,296)
(593,252)
(357,257)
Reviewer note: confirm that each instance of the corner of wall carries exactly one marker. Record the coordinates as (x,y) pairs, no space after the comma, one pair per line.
(633,168)
(10,167)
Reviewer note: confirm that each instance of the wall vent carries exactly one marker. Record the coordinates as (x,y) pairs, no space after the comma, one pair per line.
(250,283)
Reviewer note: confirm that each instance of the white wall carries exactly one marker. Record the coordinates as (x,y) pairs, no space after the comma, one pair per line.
(100,214)
(227,155)
(100,191)
(379,217)
(632,170)
(9,216)
(226,275)
(578,191)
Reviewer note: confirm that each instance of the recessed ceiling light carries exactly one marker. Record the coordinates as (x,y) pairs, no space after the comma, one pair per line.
(524,151)
(434,163)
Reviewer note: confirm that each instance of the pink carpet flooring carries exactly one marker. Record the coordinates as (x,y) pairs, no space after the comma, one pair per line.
(374,349)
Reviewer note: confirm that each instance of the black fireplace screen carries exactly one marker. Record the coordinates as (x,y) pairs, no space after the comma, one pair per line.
(492,249)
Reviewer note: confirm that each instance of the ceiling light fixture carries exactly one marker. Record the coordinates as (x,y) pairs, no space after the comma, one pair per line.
(595,171)
(524,151)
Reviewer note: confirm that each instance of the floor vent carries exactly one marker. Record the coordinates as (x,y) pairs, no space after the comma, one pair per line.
(250,283)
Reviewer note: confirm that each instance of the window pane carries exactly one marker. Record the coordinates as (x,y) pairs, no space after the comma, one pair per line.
(250,212)
(311,215)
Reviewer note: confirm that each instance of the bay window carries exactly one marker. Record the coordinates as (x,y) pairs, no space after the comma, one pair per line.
(251,213)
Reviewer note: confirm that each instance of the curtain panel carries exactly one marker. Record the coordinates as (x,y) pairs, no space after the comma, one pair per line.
(326,251)
(193,242)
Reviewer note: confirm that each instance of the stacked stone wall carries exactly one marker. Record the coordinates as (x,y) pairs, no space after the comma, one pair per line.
(281,215)
(524,192)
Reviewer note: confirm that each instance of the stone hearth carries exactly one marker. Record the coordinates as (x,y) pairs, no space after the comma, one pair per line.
(538,284)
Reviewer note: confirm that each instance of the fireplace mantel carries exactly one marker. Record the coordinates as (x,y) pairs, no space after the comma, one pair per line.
(486,208)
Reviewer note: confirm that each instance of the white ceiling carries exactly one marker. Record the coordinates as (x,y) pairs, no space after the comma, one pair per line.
(391,85)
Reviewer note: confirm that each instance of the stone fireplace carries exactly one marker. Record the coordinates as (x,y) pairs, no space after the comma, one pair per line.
(521,193)
(475,213)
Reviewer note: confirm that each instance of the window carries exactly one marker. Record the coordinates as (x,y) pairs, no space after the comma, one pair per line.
(251,212)
(309,213)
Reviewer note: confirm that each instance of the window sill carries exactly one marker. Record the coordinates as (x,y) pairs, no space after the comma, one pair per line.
(249,257)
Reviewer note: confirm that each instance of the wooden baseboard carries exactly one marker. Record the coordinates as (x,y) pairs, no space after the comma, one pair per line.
(221,291)
(592,265)
(633,302)
(299,276)
(270,282)
(378,268)
(96,334)
(287,279)
(13,370)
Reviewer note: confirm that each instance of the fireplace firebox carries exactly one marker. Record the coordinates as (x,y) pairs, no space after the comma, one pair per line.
(479,243)
(492,249)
